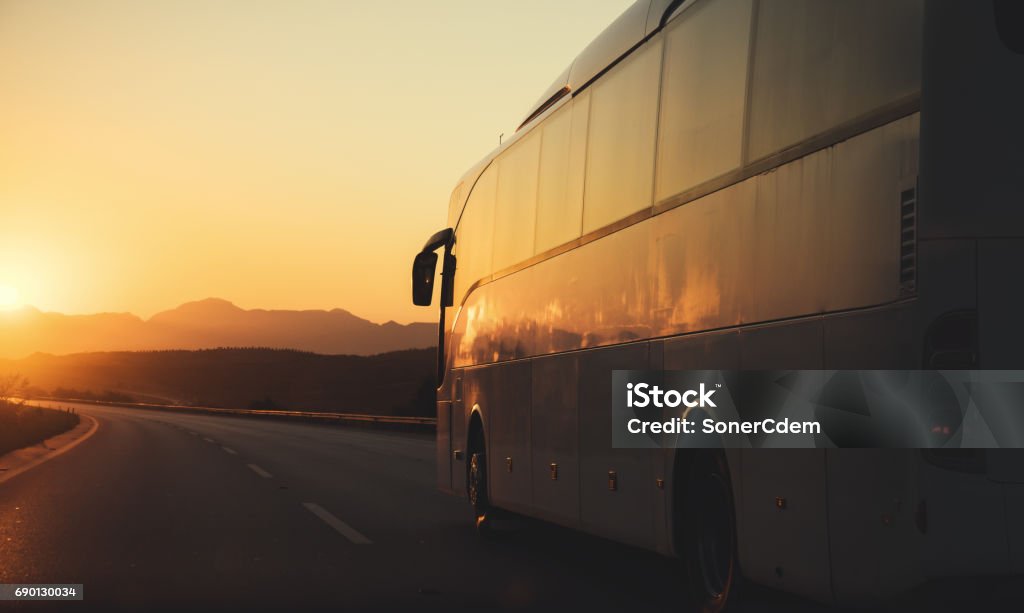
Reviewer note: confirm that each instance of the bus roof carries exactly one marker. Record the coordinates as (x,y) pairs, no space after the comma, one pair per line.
(642,19)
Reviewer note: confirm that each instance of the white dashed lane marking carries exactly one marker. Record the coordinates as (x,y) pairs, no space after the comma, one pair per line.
(259,471)
(344,529)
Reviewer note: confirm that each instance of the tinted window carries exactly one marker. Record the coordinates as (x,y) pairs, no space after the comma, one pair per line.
(455,205)
(701,130)
(560,188)
(620,147)
(516,207)
(473,235)
(819,63)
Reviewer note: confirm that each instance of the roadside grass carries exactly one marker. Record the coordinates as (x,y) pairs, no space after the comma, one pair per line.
(23,426)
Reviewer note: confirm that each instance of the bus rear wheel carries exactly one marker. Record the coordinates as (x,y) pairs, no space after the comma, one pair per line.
(708,537)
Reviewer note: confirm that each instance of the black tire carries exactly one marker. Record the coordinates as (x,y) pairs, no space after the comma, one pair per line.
(476,487)
(478,482)
(708,538)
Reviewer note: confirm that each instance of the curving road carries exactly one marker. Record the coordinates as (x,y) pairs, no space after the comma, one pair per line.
(175,510)
(161,507)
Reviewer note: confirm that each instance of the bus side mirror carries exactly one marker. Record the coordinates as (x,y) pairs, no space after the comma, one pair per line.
(423,269)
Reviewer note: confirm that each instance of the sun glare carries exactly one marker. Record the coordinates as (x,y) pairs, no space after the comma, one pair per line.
(10,298)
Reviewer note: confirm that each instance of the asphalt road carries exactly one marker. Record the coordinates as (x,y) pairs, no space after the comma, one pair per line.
(161,509)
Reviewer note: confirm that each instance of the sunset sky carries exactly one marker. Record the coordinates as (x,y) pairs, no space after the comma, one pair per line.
(276,154)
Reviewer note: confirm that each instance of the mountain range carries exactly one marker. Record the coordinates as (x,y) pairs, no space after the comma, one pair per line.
(393,383)
(206,324)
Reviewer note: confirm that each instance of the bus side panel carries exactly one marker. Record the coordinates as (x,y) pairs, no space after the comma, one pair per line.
(783,537)
(966,529)
(503,393)
(555,441)
(785,345)
(785,547)
(1015,508)
(623,510)
(880,338)
(662,465)
(871,558)
(871,510)
(869,174)
(1000,333)
(972,225)
(1000,303)
(708,351)
(947,283)
(967,523)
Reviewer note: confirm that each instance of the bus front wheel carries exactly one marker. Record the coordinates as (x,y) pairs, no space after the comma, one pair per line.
(476,486)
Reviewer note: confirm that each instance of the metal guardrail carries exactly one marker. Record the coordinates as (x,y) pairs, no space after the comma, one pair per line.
(395,420)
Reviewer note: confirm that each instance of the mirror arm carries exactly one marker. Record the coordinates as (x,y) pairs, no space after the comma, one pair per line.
(447,277)
(444,238)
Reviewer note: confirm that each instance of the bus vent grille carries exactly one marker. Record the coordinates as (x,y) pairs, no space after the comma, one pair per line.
(908,239)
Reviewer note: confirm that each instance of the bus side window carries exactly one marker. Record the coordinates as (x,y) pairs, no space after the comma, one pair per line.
(560,186)
(473,235)
(621,139)
(516,206)
(455,206)
(701,129)
(820,63)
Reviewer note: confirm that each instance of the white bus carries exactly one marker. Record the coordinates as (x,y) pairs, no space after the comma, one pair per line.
(745,185)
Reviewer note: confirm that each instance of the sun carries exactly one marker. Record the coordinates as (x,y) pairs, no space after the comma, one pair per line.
(10,298)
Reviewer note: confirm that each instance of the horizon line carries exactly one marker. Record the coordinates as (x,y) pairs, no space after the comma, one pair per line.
(32,307)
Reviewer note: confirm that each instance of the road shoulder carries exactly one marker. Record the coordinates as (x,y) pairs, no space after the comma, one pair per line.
(21,460)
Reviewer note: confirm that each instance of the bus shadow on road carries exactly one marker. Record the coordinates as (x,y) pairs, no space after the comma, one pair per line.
(610,574)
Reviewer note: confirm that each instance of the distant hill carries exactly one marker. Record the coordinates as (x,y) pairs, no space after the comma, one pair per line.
(395,383)
(206,324)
